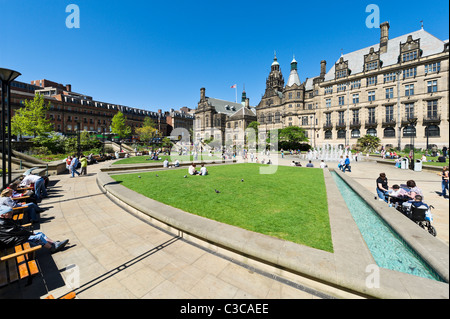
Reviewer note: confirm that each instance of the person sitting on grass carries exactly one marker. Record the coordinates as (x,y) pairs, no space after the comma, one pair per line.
(12,234)
(192,170)
(203,170)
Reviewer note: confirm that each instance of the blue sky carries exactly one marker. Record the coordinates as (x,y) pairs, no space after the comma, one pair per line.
(157,54)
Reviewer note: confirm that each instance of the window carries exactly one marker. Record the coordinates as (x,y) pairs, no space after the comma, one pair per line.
(341,118)
(328,119)
(432,109)
(432,86)
(389,77)
(409,56)
(389,113)
(409,131)
(328,89)
(304,120)
(355,84)
(341,87)
(433,67)
(355,116)
(355,98)
(328,135)
(290,105)
(371,115)
(372,80)
(328,102)
(409,90)
(389,132)
(298,95)
(389,93)
(341,100)
(372,65)
(409,110)
(432,131)
(356,133)
(372,132)
(277,117)
(371,95)
(341,74)
(409,73)
(341,134)
(290,96)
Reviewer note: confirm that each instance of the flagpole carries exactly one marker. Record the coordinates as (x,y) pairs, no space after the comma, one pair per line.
(236,92)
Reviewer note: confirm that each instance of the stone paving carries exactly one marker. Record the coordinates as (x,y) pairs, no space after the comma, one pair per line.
(114,254)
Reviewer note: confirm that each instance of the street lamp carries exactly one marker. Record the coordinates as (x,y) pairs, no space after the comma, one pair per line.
(6,77)
(412,123)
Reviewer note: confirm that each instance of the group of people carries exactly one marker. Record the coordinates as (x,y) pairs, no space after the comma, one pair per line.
(12,233)
(73,163)
(398,194)
(193,170)
(344,164)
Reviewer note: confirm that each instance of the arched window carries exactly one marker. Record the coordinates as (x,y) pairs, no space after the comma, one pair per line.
(328,135)
(341,134)
(372,131)
(389,132)
(432,131)
(409,131)
(356,133)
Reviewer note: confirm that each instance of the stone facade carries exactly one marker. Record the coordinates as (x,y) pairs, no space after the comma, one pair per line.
(377,90)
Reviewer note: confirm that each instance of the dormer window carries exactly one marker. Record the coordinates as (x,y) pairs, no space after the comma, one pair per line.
(410,50)
(372,60)
(342,70)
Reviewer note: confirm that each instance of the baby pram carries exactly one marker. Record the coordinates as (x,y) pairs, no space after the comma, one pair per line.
(420,215)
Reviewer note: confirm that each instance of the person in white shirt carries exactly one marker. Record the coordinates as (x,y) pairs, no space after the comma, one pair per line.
(166,163)
(323,165)
(192,170)
(203,170)
(39,186)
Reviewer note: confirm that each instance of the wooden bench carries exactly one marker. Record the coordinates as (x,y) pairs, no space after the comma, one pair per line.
(25,199)
(70,295)
(18,263)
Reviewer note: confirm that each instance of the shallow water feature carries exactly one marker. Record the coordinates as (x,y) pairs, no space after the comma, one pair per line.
(388,249)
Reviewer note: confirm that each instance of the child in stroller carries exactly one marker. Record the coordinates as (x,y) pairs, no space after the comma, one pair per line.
(420,213)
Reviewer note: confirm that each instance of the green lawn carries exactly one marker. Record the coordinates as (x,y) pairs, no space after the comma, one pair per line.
(183,158)
(290,204)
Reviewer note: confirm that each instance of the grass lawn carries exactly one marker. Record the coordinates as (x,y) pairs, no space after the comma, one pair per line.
(145,159)
(290,204)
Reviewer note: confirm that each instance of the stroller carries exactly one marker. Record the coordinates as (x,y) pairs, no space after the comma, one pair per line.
(420,215)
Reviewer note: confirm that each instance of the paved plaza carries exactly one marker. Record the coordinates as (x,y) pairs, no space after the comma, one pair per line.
(115,254)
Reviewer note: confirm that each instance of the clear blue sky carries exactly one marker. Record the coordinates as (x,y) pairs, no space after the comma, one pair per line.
(158,54)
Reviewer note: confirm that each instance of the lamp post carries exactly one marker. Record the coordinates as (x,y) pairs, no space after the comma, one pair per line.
(412,123)
(6,77)
(78,140)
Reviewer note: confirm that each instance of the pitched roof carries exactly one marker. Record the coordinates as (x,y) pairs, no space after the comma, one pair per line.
(244,111)
(429,44)
(225,107)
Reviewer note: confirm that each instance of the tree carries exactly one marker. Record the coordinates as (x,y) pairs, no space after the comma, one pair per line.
(291,137)
(368,143)
(148,131)
(32,118)
(253,139)
(119,126)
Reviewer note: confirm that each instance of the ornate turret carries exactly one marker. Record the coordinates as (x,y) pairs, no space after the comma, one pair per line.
(275,81)
(293,76)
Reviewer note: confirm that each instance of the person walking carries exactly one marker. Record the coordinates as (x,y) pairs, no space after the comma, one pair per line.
(73,166)
(444,182)
(84,164)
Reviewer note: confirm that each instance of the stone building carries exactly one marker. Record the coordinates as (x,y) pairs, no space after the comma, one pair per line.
(396,89)
(70,110)
(223,120)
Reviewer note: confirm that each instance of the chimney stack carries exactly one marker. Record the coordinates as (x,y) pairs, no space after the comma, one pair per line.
(68,88)
(384,37)
(247,103)
(323,68)
(202,94)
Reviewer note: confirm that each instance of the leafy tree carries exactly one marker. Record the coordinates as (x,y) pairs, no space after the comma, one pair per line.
(147,131)
(253,139)
(31,119)
(368,143)
(291,137)
(119,126)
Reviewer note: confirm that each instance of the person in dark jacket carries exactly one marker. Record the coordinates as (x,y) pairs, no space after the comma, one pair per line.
(12,234)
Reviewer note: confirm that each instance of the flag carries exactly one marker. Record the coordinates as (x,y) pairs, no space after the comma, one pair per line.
(233,87)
